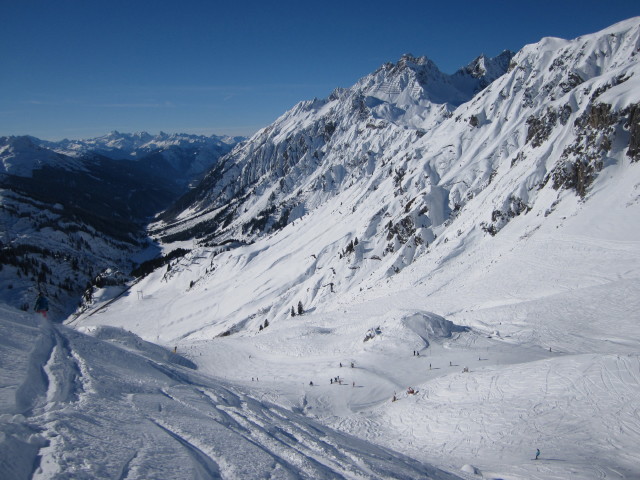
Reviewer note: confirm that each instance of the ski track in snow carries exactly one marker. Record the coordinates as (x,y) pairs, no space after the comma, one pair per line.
(111,409)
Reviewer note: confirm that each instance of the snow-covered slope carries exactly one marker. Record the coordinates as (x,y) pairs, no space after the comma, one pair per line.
(322,147)
(20,156)
(561,122)
(110,405)
(515,214)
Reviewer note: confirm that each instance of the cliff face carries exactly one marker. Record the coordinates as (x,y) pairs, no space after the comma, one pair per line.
(417,146)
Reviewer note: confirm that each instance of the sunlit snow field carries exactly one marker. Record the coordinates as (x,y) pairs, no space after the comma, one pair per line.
(551,346)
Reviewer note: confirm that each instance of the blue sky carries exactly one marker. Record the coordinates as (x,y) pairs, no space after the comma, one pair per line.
(82,68)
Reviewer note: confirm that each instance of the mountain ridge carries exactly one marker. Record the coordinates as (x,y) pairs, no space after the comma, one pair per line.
(533,138)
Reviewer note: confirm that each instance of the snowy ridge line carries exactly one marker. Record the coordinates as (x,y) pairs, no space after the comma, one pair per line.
(105,305)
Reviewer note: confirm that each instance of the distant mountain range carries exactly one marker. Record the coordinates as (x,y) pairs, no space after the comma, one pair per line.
(74,208)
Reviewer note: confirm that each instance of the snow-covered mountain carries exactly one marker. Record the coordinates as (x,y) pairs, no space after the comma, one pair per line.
(413,167)
(19,156)
(188,155)
(486,221)
(514,213)
(321,147)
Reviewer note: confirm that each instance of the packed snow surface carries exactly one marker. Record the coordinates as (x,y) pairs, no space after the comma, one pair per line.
(110,405)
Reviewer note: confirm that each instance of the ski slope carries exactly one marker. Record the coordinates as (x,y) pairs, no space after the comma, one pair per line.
(543,316)
(110,405)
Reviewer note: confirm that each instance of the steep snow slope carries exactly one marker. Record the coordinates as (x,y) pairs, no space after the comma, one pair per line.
(564,116)
(516,215)
(320,148)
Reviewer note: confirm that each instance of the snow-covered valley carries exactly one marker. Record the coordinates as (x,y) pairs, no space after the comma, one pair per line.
(378,285)
(552,346)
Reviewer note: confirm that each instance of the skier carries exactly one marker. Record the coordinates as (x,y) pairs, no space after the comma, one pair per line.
(537,453)
(42,305)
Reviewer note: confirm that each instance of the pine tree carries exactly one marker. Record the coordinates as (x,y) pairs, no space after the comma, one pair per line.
(266,323)
(293,312)
(300,309)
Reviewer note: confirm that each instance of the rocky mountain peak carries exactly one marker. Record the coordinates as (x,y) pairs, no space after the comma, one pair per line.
(489,68)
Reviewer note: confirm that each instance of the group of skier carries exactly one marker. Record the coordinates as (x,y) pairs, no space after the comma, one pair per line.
(41,306)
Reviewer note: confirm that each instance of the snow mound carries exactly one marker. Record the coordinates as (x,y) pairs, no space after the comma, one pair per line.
(133,342)
(414,330)
(471,469)
(429,326)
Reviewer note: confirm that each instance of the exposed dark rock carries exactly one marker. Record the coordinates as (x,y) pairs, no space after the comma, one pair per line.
(539,128)
(633,125)
(572,81)
(403,230)
(582,160)
(513,207)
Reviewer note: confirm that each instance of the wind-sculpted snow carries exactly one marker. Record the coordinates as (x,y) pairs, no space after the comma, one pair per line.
(110,406)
